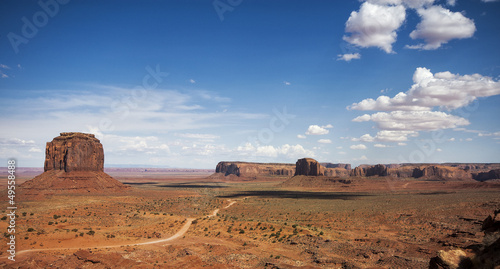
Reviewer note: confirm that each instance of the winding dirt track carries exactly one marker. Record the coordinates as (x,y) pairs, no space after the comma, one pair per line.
(178,234)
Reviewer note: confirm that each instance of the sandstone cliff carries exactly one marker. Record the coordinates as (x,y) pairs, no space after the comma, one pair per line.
(74,152)
(308,167)
(246,169)
(74,162)
(346,166)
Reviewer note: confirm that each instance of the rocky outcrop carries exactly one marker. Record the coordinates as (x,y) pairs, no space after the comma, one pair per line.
(376,170)
(346,166)
(336,172)
(357,172)
(308,167)
(74,162)
(483,176)
(74,152)
(246,169)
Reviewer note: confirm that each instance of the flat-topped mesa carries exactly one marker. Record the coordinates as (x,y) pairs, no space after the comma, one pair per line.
(74,152)
(308,167)
(247,169)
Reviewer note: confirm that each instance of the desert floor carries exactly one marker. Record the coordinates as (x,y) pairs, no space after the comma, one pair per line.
(185,220)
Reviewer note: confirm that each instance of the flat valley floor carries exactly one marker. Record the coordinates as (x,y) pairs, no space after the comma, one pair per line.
(186,220)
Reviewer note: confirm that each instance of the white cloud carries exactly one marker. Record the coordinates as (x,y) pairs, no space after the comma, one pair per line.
(328,126)
(401,144)
(364,138)
(416,120)
(348,57)
(439,150)
(440,25)
(489,1)
(451,139)
(287,83)
(429,90)
(3,66)
(192,81)
(198,136)
(394,136)
(33,149)
(380,146)
(359,146)
(316,130)
(339,147)
(375,25)
(468,139)
(301,136)
(362,158)
(451,2)
(288,151)
(325,141)
(342,152)
(16,142)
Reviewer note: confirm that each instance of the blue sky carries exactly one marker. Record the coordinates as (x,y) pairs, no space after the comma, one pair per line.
(192,83)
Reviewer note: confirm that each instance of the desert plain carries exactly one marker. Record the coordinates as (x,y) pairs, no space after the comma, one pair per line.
(171,218)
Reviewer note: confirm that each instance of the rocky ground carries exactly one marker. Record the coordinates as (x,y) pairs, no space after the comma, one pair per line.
(378,223)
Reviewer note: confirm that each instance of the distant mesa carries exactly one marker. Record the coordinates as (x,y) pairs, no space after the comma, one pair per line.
(309,167)
(249,170)
(74,162)
(312,168)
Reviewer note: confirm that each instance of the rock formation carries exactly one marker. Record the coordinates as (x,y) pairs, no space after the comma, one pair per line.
(336,172)
(74,152)
(245,169)
(74,162)
(308,167)
(346,166)
(483,176)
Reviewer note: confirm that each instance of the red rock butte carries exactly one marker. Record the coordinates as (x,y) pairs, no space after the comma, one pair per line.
(74,162)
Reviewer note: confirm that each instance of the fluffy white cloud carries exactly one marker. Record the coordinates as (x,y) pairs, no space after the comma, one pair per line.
(317,130)
(394,136)
(325,141)
(301,136)
(387,136)
(380,146)
(375,25)
(440,25)
(359,146)
(429,90)
(328,126)
(451,2)
(364,138)
(401,144)
(348,57)
(288,151)
(416,120)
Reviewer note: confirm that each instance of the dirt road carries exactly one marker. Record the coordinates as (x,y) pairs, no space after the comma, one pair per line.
(178,234)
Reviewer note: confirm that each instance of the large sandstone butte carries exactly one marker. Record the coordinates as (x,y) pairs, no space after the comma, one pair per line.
(74,162)
(308,167)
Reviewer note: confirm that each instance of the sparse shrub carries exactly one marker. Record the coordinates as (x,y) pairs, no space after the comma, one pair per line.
(81,234)
(4,217)
(30,230)
(74,230)
(51,222)
(91,232)
(242,231)
(24,214)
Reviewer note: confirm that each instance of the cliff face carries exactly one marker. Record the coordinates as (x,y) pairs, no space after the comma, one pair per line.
(483,176)
(345,166)
(336,172)
(74,163)
(74,152)
(308,167)
(243,169)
